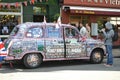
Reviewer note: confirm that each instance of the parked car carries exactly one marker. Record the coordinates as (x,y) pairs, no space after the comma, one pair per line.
(34,43)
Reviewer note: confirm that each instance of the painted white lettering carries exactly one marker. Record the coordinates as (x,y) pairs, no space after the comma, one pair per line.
(82,0)
(59,50)
(76,50)
(106,1)
(89,0)
(101,1)
(51,50)
(96,1)
(118,2)
(113,2)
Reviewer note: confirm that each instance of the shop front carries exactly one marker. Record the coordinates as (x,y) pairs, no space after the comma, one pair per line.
(9,17)
(94,12)
(19,11)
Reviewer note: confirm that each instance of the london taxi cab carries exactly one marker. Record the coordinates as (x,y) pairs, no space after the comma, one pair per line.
(34,43)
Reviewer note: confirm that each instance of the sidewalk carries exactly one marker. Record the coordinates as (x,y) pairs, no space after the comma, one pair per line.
(116,52)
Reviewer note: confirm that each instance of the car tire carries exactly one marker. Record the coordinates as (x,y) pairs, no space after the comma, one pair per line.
(32,60)
(96,56)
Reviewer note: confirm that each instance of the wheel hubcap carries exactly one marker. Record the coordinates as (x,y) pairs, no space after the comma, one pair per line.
(33,60)
(97,56)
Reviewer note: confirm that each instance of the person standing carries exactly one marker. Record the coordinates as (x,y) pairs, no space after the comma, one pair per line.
(78,26)
(88,29)
(83,30)
(108,33)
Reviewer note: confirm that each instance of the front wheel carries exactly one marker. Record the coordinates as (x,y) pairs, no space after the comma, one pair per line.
(96,56)
(32,60)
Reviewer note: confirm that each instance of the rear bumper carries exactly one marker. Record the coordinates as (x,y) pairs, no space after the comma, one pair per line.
(2,58)
(9,58)
(3,55)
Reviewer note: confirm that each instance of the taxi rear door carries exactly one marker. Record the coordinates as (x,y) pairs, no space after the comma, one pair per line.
(54,43)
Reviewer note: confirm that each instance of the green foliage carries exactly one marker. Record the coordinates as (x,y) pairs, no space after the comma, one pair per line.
(55,17)
(13,1)
(52,2)
(17,51)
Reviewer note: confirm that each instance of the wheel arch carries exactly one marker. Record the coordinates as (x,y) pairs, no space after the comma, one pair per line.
(26,63)
(92,53)
(98,48)
(42,56)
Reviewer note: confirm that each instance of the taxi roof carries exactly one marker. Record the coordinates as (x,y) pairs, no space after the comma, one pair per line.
(29,24)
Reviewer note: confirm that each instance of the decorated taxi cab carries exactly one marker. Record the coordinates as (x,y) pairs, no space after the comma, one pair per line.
(34,43)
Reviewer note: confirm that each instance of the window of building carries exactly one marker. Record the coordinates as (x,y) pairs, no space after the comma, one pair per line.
(79,18)
(10,16)
(74,19)
(85,19)
(39,10)
(115,20)
(12,8)
(101,20)
(8,22)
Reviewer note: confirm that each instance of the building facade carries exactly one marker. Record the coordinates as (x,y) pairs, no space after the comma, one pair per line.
(13,12)
(94,12)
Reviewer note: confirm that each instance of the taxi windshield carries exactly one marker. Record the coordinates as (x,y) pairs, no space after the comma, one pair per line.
(14,31)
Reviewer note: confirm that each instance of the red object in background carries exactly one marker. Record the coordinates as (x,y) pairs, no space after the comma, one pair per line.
(16,4)
(1,45)
(32,1)
(25,3)
(3,52)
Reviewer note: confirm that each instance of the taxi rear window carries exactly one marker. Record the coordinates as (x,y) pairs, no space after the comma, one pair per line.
(35,32)
(53,32)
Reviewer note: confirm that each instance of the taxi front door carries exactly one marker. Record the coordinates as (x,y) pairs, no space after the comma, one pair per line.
(74,47)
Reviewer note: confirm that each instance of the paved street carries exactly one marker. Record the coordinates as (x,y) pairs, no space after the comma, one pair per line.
(116,52)
(64,70)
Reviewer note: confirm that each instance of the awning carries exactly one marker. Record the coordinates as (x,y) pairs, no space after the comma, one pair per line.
(93,10)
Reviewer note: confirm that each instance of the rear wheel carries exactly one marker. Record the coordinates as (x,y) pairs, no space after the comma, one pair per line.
(96,56)
(32,60)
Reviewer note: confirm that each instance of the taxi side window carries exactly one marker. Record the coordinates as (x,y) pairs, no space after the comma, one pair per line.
(53,32)
(35,32)
(71,33)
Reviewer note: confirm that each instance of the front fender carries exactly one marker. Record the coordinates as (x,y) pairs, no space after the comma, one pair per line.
(91,47)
